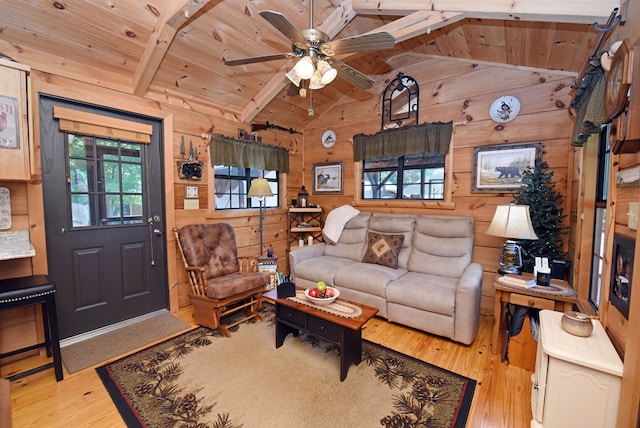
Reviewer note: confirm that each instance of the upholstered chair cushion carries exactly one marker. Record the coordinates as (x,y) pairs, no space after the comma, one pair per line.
(212,246)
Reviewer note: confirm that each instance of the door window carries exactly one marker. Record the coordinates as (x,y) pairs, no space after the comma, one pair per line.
(105,181)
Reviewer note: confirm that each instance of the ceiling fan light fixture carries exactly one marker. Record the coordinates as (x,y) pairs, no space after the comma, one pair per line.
(304,68)
(293,76)
(315,82)
(326,72)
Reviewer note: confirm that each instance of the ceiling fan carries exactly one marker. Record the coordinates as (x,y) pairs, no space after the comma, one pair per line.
(316,52)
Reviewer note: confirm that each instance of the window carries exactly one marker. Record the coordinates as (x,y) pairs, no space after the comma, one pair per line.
(418,177)
(105,181)
(232,185)
(598,252)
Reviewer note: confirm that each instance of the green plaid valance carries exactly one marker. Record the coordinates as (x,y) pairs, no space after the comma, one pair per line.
(248,154)
(426,138)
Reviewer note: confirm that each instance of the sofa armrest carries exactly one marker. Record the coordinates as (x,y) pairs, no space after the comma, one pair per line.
(304,253)
(468,293)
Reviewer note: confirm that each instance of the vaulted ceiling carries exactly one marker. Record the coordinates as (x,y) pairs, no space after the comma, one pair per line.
(178,47)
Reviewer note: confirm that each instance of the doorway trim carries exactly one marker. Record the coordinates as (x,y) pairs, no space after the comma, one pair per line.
(100,96)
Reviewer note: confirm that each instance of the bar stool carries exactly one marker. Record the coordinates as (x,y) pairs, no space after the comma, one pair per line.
(31,291)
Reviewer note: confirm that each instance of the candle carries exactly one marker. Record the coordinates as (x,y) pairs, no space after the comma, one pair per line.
(301,242)
(310,240)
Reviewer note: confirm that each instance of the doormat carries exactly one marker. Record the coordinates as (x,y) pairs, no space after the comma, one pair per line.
(107,346)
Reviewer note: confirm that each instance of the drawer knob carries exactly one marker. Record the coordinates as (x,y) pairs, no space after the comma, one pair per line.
(531,302)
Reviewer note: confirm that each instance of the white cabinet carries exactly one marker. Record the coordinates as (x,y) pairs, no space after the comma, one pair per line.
(577,379)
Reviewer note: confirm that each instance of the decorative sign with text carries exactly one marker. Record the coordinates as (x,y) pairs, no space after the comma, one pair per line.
(9,131)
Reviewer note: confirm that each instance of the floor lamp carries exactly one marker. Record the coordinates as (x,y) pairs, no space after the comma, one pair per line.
(511,221)
(259,189)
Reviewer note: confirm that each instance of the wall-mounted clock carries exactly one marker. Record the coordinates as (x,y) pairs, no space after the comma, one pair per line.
(328,139)
(618,81)
(504,109)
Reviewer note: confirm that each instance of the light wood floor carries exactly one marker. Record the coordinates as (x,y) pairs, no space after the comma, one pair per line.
(502,397)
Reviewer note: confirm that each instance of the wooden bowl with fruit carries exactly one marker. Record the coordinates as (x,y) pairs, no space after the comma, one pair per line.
(322,294)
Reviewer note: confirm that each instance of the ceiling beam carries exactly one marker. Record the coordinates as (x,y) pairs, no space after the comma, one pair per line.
(268,92)
(339,18)
(569,11)
(419,23)
(175,16)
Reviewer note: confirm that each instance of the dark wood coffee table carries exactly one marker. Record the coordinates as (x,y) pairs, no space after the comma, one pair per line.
(293,317)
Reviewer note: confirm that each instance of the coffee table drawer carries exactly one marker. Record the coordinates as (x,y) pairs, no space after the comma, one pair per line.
(290,315)
(324,329)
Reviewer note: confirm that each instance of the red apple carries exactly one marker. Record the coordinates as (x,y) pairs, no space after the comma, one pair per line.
(314,292)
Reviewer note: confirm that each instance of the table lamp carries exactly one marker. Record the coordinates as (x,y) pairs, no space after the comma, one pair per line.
(259,189)
(511,221)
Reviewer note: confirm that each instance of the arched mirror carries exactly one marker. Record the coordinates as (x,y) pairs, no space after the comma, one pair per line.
(400,102)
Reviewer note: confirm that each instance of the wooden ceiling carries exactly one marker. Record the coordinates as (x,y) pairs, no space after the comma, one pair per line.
(178,47)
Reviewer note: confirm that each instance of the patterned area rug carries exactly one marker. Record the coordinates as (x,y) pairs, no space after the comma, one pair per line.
(201,379)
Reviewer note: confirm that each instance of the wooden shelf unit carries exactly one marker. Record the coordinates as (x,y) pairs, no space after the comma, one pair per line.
(307,215)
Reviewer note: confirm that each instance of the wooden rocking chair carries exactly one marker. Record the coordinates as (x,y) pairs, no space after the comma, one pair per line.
(221,282)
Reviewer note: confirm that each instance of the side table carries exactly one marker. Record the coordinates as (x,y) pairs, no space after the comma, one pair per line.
(558,296)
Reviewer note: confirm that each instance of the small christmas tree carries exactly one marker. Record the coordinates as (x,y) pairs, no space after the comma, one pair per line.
(547,216)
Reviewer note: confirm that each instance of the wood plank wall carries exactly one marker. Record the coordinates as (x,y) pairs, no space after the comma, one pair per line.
(461,92)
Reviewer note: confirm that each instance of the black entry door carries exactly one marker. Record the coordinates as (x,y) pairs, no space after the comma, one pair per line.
(103,200)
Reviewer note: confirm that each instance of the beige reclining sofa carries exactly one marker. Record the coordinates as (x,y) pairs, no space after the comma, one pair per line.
(431,283)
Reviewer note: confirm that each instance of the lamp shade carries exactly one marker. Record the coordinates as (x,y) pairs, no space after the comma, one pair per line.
(512,221)
(259,188)
(304,67)
(293,76)
(326,72)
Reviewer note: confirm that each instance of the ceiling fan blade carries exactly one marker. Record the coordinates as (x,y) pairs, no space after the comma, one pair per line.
(363,43)
(351,75)
(283,25)
(262,58)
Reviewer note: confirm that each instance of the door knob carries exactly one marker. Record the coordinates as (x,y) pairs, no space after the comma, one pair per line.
(157,232)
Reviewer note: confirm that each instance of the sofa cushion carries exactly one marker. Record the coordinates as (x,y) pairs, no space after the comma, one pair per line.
(396,223)
(442,245)
(353,239)
(335,221)
(426,292)
(321,268)
(383,249)
(367,277)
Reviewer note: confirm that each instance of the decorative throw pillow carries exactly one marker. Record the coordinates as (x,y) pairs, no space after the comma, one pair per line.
(383,249)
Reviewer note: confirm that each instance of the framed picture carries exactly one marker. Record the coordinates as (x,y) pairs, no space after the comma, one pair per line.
(9,124)
(327,178)
(498,168)
(621,273)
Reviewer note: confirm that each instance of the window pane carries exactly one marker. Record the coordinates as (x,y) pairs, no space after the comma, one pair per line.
(111,176)
(81,211)
(80,146)
(232,185)
(132,209)
(131,174)
(79,173)
(380,185)
(112,209)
